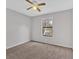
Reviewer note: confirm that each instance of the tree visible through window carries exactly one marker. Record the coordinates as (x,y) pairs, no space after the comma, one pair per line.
(47,27)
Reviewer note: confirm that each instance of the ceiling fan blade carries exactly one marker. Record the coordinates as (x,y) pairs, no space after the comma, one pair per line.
(29,8)
(41,4)
(38,9)
(29,1)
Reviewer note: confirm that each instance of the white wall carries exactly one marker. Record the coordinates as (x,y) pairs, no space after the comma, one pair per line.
(18,28)
(62,29)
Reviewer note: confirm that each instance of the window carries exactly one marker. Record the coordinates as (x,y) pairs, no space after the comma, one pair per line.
(47,27)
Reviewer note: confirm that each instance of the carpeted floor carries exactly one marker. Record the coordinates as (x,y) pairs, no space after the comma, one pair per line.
(34,50)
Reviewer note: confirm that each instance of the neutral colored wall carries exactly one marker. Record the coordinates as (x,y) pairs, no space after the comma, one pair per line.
(18,28)
(62,29)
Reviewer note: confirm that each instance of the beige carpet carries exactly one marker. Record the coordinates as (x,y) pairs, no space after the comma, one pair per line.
(34,50)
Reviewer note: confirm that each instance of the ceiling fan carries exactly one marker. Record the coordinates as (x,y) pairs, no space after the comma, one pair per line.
(35,5)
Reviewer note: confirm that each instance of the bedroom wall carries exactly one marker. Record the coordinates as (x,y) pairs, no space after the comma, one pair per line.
(18,28)
(62,29)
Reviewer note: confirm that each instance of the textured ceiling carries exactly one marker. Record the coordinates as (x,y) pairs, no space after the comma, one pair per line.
(51,6)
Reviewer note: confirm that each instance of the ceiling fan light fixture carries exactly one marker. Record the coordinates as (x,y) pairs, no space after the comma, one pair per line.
(34,7)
